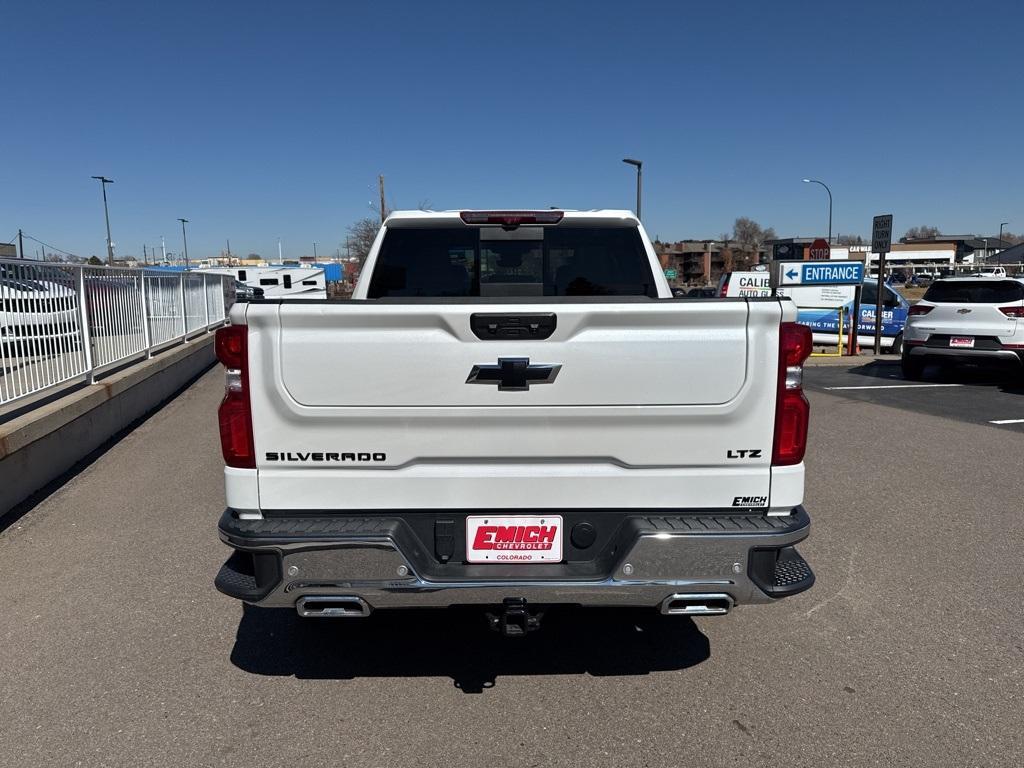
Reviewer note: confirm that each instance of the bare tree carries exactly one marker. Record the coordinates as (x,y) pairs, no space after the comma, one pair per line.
(749,235)
(921,232)
(849,240)
(361,235)
(728,260)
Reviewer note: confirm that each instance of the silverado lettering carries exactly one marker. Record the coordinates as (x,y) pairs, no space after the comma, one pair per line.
(320,456)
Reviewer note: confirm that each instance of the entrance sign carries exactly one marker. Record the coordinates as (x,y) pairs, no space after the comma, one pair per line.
(819,273)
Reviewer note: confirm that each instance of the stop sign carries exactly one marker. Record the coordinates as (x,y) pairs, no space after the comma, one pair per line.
(820,250)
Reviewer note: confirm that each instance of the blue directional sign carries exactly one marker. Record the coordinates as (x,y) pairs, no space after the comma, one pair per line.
(821,272)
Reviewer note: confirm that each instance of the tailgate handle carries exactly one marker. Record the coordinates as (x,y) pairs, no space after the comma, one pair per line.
(495,327)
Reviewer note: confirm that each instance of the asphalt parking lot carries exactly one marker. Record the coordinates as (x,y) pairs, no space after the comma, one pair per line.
(115,650)
(970,395)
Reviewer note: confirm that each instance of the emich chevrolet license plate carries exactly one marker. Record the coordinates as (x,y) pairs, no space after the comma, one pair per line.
(961,341)
(521,539)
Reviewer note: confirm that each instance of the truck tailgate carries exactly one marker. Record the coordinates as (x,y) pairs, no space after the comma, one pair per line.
(652,404)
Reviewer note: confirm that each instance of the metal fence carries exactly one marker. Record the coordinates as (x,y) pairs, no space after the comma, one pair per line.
(60,322)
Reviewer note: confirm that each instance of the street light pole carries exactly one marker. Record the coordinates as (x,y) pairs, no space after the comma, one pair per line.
(314,251)
(815,181)
(639,179)
(184,240)
(1001,225)
(103,180)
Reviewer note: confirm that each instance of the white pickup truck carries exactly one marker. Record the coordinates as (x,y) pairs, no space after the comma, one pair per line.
(513,412)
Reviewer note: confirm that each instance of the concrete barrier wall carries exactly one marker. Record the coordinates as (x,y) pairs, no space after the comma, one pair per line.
(41,445)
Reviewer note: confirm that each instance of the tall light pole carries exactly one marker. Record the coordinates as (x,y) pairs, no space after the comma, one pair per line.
(639,179)
(1001,225)
(184,240)
(314,251)
(815,181)
(103,180)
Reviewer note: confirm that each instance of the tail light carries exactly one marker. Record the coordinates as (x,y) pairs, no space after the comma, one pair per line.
(1013,311)
(724,291)
(235,413)
(792,411)
(511,218)
(918,309)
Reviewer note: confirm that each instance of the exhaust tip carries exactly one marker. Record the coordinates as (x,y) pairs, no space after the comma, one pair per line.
(332,606)
(711,604)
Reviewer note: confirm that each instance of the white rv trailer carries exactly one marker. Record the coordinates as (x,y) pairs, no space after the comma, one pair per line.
(280,282)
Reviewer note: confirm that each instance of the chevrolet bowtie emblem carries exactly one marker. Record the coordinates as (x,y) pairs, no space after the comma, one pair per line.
(513,374)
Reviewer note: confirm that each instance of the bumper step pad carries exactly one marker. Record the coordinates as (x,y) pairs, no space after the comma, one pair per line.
(248,576)
(780,572)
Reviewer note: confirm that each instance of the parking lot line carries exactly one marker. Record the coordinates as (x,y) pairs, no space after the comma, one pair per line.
(896,386)
(1007,421)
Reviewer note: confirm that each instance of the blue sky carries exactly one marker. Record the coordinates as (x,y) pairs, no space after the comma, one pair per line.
(262,120)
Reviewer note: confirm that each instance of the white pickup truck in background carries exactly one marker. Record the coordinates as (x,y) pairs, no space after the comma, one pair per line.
(513,412)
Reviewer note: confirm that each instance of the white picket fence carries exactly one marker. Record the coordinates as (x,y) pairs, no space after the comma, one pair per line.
(60,322)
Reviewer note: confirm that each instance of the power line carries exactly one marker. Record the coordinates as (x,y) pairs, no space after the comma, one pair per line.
(51,247)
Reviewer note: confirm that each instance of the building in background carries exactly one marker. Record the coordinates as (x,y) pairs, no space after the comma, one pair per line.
(922,255)
(703,262)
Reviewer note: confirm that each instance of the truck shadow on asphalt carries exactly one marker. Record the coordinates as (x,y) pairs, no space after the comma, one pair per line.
(457,644)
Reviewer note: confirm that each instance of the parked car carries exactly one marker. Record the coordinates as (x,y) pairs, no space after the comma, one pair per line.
(245,292)
(702,293)
(990,272)
(975,321)
(38,306)
(512,413)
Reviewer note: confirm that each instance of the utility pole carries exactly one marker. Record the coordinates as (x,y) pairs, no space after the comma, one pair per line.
(163,248)
(184,240)
(348,247)
(103,180)
(314,251)
(21,246)
(383,210)
(145,256)
(229,250)
(280,258)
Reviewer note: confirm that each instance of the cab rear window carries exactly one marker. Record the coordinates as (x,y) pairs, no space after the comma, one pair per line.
(982,291)
(525,261)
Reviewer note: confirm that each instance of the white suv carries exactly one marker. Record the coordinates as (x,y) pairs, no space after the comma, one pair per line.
(974,320)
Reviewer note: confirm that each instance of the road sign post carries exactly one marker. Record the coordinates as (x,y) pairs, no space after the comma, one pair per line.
(855,320)
(881,243)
